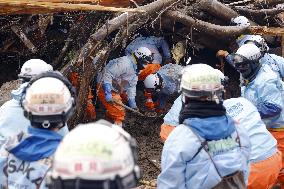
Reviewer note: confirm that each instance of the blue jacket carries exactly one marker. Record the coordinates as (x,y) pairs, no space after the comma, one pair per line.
(25,159)
(121,74)
(12,119)
(152,43)
(170,74)
(181,171)
(246,115)
(266,93)
(172,117)
(275,62)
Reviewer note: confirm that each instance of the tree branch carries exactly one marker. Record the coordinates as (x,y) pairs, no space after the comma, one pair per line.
(218,9)
(217,31)
(259,13)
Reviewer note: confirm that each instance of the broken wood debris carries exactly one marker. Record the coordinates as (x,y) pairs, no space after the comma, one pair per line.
(43,7)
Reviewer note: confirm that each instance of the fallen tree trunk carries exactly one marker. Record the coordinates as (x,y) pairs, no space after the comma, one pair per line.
(130,17)
(32,7)
(259,12)
(218,9)
(260,3)
(221,32)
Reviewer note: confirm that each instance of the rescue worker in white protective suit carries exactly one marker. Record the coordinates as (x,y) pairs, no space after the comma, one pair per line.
(12,119)
(274,61)
(264,89)
(153,44)
(106,157)
(160,85)
(117,82)
(207,150)
(48,102)
(265,159)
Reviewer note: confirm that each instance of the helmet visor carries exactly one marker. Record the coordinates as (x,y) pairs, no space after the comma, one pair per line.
(148,59)
(241,63)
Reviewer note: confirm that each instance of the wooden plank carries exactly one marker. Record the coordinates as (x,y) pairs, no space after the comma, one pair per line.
(31,6)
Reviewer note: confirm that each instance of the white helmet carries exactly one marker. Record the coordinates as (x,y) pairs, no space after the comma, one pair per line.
(48,100)
(258,40)
(153,81)
(221,75)
(240,21)
(224,79)
(201,80)
(249,51)
(34,67)
(144,54)
(105,157)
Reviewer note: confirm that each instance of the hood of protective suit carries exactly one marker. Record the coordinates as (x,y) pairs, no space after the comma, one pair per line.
(17,93)
(38,144)
(211,128)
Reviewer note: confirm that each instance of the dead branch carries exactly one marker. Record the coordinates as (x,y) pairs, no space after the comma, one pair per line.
(73,31)
(206,40)
(268,2)
(43,22)
(239,2)
(6,44)
(130,17)
(18,31)
(115,3)
(218,9)
(259,12)
(23,6)
(217,31)
(263,30)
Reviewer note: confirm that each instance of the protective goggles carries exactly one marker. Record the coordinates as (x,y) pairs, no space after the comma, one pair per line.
(148,59)
(241,62)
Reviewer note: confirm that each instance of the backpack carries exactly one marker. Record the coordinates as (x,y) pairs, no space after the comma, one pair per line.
(232,181)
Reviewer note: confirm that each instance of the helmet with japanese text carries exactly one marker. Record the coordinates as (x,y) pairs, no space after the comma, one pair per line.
(201,81)
(48,100)
(106,157)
